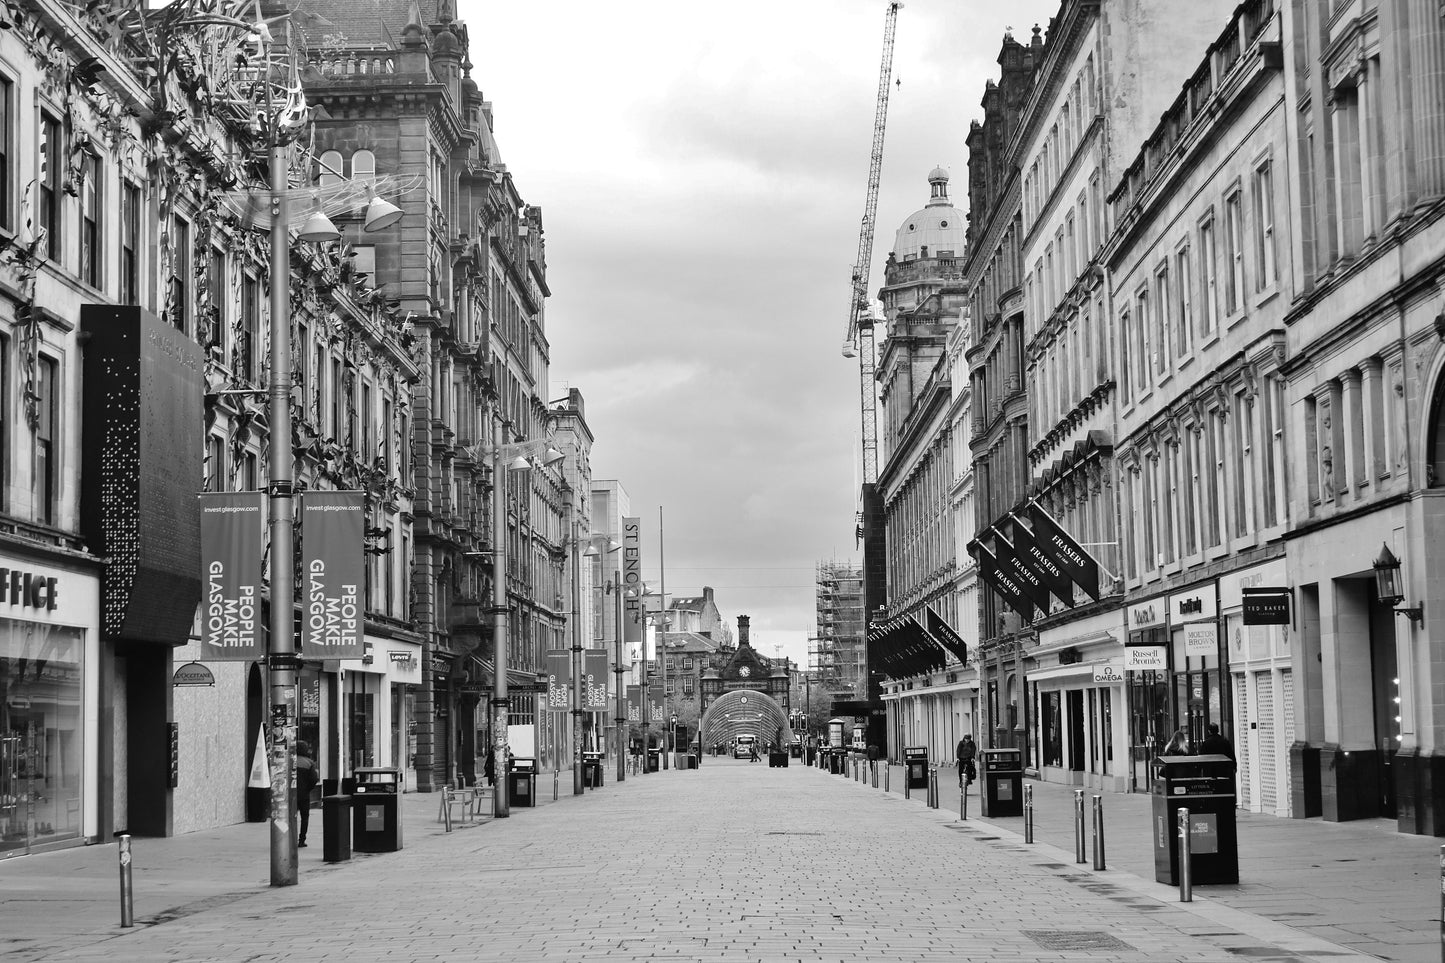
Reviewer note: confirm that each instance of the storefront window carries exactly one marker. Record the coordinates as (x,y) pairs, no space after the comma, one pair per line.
(41,736)
(1053,730)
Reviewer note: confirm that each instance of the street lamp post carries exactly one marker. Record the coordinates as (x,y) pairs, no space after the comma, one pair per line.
(496,453)
(619,696)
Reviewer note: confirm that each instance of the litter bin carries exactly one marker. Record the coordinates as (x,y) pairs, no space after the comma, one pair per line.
(683,760)
(522,782)
(335,828)
(777,759)
(592,769)
(376,811)
(1003,782)
(915,765)
(1205,786)
(654,760)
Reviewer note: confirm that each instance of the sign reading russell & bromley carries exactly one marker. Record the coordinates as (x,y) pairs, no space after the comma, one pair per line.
(231,528)
(333,567)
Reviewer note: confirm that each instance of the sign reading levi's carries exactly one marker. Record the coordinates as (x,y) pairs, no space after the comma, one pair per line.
(231,527)
(333,571)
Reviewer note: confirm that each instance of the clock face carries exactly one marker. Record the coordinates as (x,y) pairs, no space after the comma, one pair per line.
(745,671)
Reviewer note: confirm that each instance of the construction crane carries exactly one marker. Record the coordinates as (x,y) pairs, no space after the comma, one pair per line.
(859,343)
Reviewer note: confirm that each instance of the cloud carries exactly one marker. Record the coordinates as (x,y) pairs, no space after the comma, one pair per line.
(702,173)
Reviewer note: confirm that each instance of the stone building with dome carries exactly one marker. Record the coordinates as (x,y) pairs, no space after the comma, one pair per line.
(922,471)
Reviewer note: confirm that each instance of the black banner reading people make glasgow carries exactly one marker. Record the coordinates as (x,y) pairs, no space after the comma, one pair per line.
(594,679)
(231,527)
(634,703)
(333,573)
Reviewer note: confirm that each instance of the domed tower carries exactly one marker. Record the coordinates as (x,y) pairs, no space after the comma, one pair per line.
(923,298)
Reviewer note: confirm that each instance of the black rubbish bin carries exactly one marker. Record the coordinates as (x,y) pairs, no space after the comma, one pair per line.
(654,760)
(376,811)
(1003,782)
(1205,786)
(915,764)
(335,828)
(592,769)
(522,782)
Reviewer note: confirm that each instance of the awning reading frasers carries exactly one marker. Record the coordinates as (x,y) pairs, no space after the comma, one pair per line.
(1066,553)
(1005,585)
(944,633)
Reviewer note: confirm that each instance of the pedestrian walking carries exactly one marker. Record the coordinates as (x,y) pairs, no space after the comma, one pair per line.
(306,778)
(489,766)
(966,752)
(1216,742)
(1178,744)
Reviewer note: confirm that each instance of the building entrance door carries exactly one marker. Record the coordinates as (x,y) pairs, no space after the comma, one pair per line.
(1074,699)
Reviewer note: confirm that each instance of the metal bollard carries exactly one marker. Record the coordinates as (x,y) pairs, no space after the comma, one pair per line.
(1079,855)
(963,802)
(886,771)
(555,774)
(933,788)
(1098,832)
(1186,883)
(127,893)
(1028,813)
(873,765)
(907,784)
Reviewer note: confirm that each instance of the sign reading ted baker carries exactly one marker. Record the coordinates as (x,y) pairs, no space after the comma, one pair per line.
(333,565)
(231,525)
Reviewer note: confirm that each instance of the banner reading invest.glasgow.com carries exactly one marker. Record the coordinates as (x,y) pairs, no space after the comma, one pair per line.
(333,575)
(232,524)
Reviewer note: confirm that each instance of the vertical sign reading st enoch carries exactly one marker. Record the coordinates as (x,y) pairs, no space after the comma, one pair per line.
(231,528)
(333,570)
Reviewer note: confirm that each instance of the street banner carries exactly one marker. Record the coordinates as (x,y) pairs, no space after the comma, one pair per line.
(232,525)
(632,587)
(634,704)
(333,575)
(1055,578)
(1007,588)
(594,679)
(1028,579)
(1067,554)
(945,634)
(559,679)
(654,702)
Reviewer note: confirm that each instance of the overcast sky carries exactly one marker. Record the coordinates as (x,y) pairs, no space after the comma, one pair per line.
(702,171)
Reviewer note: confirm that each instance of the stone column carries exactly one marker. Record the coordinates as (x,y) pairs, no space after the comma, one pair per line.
(1352,471)
(1427,95)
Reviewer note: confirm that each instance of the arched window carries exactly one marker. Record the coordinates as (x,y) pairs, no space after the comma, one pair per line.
(1435,440)
(330,169)
(363,166)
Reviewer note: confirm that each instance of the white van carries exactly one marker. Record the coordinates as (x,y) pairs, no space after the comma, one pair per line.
(744,746)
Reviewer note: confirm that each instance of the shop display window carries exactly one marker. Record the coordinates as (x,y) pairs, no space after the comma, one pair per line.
(41,735)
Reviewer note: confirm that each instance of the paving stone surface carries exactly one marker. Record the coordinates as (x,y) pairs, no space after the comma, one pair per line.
(730,862)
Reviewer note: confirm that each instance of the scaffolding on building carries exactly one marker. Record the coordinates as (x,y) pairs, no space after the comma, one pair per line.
(835,652)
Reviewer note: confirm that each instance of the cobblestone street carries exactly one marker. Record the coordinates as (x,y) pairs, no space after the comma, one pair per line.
(734,861)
